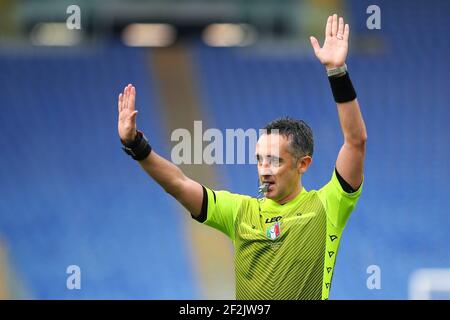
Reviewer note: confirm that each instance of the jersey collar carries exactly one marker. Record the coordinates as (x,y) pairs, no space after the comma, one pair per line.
(270,204)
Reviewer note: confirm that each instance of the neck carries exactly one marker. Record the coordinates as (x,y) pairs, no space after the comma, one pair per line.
(292,195)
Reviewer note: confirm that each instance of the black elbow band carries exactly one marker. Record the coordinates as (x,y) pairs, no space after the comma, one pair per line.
(139,149)
(342,88)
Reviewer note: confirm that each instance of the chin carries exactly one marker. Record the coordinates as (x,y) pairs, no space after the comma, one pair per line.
(271,195)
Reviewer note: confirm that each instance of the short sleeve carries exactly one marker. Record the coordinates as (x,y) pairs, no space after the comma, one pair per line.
(338,203)
(219,210)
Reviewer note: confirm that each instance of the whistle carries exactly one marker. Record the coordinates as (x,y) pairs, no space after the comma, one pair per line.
(263,188)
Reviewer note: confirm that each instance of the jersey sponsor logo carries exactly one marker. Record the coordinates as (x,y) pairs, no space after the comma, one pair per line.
(274,219)
(274,231)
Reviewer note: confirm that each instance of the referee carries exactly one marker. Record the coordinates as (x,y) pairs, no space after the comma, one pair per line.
(286,242)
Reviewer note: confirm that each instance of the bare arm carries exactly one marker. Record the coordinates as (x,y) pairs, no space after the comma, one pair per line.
(350,161)
(187,191)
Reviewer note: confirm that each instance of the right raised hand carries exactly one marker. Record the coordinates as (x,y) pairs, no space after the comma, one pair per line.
(335,48)
(127,114)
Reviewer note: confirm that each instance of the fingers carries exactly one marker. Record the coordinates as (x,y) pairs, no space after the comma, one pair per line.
(126,102)
(120,102)
(346,32)
(133,116)
(341,26)
(127,98)
(132,98)
(334,25)
(126,93)
(315,45)
(328,27)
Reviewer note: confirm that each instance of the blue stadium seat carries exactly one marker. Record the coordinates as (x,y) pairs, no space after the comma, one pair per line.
(69,194)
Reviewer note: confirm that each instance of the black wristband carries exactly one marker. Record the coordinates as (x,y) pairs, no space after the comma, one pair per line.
(139,148)
(342,88)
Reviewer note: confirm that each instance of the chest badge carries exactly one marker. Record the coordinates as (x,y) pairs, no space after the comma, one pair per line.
(274,231)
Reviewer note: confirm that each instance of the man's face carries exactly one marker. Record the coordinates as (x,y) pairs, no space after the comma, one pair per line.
(277,166)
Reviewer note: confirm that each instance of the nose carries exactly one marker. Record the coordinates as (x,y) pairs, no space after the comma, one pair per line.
(264,162)
(265,172)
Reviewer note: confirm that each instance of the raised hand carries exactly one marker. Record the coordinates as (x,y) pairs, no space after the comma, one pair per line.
(127,114)
(334,50)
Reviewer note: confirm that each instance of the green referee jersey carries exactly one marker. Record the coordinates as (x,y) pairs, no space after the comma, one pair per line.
(282,251)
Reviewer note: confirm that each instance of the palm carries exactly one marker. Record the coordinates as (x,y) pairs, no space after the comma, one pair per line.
(334,50)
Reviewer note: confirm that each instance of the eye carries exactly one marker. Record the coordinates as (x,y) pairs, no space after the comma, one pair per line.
(276,161)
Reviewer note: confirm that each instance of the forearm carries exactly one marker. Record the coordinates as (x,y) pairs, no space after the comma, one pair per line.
(350,117)
(187,191)
(352,123)
(350,160)
(164,172)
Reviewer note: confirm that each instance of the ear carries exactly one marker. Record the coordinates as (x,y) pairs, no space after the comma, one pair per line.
(303,164)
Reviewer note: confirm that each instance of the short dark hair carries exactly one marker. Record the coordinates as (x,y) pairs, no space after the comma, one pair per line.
(297,131)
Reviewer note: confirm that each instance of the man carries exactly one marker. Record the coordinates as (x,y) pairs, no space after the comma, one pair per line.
(285,243)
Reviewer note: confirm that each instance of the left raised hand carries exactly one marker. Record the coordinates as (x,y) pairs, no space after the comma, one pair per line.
(334,50)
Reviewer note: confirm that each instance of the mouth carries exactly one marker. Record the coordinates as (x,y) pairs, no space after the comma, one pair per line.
(270,185)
